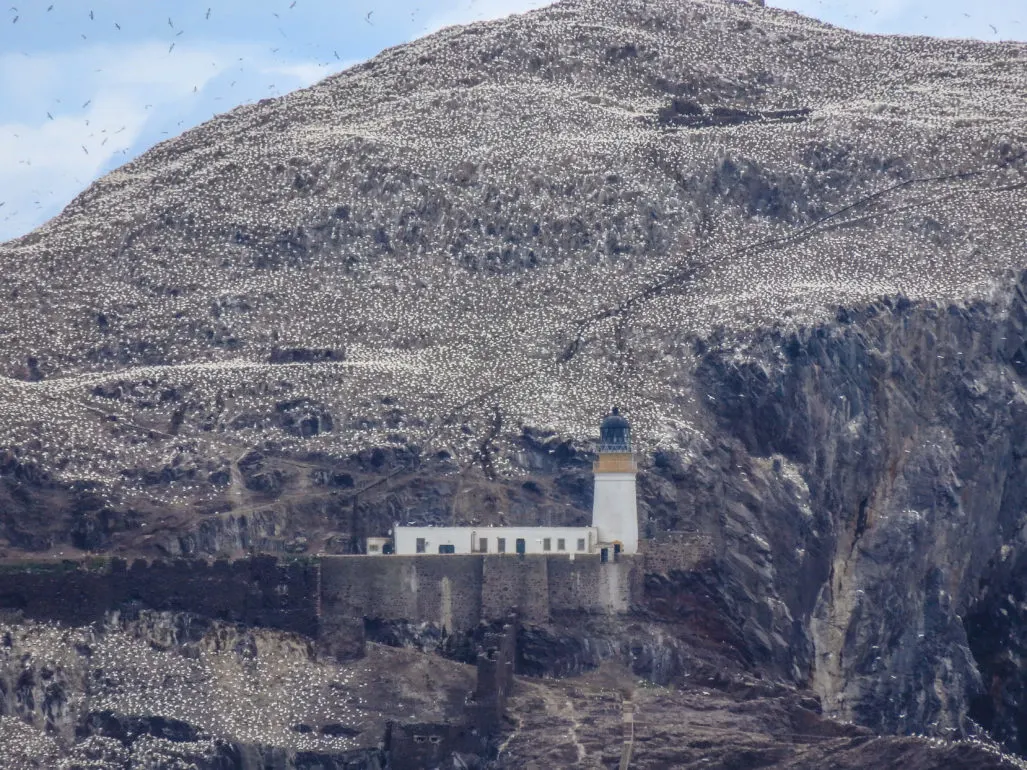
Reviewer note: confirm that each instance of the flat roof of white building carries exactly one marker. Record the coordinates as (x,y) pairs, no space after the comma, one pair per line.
(409,540)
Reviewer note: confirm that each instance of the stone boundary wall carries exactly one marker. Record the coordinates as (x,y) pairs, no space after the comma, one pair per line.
(435,589)
(515,584)
(329,596)
(588,585)
(457,591)
(259,591)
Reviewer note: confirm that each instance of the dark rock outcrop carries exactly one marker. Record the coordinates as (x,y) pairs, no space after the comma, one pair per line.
(690,114)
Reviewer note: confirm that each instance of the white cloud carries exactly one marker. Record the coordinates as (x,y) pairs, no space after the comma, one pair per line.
(43,166)
(108,103)
(984,19)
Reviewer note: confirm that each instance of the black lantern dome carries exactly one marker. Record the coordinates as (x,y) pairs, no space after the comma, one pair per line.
(615,433)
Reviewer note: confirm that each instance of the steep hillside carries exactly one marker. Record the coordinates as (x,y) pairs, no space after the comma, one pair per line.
(176,691)
(792,253)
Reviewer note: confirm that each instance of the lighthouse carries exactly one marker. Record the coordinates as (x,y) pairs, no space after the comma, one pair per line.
(614,511)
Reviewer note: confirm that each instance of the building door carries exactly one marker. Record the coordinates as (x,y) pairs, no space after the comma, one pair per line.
(521,549)
(604,555)
(616,551)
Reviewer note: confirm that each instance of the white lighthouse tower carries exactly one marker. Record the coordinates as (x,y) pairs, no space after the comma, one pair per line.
(614,512)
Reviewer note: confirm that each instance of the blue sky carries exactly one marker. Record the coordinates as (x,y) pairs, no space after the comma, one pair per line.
(86,85)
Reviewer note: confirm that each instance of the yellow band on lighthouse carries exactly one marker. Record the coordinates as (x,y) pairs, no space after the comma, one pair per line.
(615,462)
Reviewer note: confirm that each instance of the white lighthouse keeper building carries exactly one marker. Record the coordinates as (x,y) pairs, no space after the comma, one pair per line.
(614,511)
(614,527)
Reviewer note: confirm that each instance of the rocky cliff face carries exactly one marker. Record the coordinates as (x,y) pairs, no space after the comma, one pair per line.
(906,428)
(793,253)
(173,690)
(180,691)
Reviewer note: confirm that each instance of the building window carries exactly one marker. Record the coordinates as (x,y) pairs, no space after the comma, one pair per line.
(373,548)
(561,544)
(421,544)
(447,549)
(547,544)
(581,544)
(483,544)
(501,544)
